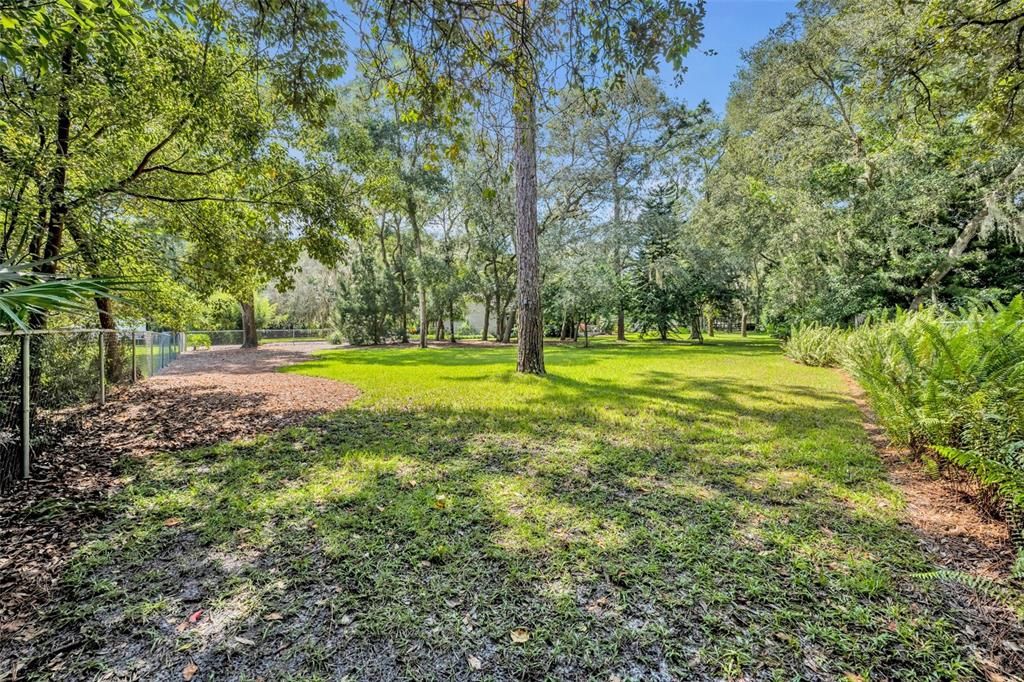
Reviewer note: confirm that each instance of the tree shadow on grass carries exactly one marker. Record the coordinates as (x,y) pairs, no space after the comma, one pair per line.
(643,533)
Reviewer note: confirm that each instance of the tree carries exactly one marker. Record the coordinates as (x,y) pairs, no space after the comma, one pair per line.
(395,154)
(112,114)
(657,285)
(309,301)
(483,187)
(615,135)
(451,51)
(843,185)
(369,304)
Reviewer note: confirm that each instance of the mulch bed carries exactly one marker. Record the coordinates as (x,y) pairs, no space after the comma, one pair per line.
(204,398)
(957,536)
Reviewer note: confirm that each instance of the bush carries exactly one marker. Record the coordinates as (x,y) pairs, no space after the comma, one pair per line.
(815,344)
(952,383)
(197,341)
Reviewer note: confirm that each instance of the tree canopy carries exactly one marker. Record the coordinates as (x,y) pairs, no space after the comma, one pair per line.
(509,170)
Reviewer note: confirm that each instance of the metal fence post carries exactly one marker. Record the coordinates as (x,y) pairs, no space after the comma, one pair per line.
(103,371)
(26,435)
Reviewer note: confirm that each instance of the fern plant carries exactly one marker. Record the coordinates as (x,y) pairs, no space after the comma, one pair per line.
(1009,593)
(815,344)
(952,382)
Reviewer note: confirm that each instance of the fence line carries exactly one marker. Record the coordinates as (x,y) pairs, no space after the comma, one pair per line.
(46,371)
(43,371)
(234,337)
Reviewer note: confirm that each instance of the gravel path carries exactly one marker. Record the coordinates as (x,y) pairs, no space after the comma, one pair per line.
(204,397)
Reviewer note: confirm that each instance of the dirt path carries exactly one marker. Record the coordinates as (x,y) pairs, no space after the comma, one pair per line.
(205,397)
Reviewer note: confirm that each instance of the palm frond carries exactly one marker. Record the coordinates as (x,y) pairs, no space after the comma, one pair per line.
(24,292)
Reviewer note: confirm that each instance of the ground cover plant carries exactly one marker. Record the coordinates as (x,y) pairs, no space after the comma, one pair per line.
(815,344)
(946,383)
(646,511)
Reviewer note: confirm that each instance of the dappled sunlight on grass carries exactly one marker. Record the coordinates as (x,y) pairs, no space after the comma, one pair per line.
(533,521)
(646,510)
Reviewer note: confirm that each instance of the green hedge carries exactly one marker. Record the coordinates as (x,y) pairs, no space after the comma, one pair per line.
(197,341)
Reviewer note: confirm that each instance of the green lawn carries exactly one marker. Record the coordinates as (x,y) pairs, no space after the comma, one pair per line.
(646,511)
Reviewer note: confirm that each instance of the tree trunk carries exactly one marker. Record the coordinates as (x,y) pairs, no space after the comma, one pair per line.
(250,338)
(711,325)
(111,344)
(743,321)
(400,262)
(510,324)
(620,322)
(963,240)
(531,322)
(586,333)
(451,322)
(439,335)
(487,318)
(52,217)
(114,362)
(421,286)
(695,326)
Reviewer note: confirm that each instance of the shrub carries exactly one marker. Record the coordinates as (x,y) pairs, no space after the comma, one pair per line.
(197,341)
(815,344)
(952,382)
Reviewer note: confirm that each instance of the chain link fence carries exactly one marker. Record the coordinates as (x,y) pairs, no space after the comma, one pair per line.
(43,372)
(204,338)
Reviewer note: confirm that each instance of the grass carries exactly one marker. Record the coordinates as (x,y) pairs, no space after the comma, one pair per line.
(648,511)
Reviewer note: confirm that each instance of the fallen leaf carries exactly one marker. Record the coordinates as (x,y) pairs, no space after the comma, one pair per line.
(474,662)
(12,626)
(853,677)
(273,616)
(189,671)
(194,618)
(441,501)
(347,619)
(174,521)
(520,635)
(245,641)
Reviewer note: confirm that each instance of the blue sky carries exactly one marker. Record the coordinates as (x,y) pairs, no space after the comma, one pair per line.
(729,26)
